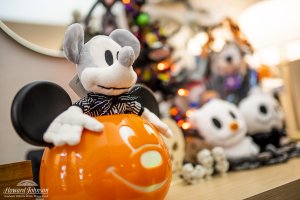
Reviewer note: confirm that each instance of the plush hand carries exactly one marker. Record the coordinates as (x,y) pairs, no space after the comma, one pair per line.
(67,127)
(157,123)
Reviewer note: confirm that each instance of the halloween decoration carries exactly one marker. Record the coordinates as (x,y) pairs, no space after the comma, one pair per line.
(264,118)
(221,124)
(221,162)
(127,160)
(230,75)
(175,145)
(265,121)
(104,67)
(205,158)
(72,172)
(194,144)
(191,174)
(112,16)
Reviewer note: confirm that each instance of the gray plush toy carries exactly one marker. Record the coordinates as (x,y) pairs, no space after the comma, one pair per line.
(104,67)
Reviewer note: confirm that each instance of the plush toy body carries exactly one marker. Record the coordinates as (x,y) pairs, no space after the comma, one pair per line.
(264,118)
(221,124)
(98,104)
(104,67)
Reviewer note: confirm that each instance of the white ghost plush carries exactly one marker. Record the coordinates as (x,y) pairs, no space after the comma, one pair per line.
(264,118)
(261,112)
(220,123)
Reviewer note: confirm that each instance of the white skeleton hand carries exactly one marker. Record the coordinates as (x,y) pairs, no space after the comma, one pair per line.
(157,123)
(67,127)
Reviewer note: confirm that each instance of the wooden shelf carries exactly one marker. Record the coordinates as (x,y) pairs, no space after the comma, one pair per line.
(281,181)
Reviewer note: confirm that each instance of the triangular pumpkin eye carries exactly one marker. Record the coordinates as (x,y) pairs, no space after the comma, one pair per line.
(109,57)
(216,123)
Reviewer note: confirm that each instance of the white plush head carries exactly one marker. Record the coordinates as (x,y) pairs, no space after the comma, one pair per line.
(220,123)
(228,61)
(104,64)
(261,112)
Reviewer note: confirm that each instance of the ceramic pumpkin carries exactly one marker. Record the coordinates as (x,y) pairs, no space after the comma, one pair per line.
(128,160)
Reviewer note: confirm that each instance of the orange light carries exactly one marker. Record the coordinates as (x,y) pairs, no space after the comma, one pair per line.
(173,111)
(173,68)
(126,1)
(180,122)
(183,92)
(188,113)
(161,66)
(186,125)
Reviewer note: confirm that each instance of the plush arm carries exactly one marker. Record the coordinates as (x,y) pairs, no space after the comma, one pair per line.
(67,127)
(157,123)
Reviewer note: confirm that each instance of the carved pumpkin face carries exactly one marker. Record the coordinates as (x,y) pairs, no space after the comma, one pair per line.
(128,160)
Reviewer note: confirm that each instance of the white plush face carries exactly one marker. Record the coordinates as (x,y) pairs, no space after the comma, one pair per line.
(100,69)
(220,123)
(228,61)
(262,113)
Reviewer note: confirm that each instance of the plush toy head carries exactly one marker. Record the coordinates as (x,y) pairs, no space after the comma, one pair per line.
(228,61)
(261,112)
(104,64)
(220,123)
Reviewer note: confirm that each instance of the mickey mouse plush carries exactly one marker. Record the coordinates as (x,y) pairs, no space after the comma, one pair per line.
(104,67)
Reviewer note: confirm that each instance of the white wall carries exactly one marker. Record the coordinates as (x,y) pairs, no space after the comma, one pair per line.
(19,66)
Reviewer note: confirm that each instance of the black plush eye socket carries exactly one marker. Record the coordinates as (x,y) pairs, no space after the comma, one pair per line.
(118,55)
(232,114)
(109,57)
(216,123)
(263,109)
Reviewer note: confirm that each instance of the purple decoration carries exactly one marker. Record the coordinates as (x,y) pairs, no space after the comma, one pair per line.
(233,82)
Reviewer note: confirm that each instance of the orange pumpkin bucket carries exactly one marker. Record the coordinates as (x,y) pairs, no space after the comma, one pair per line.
(127,160)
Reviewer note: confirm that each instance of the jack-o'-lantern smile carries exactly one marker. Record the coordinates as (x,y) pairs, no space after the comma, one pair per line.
(144,189)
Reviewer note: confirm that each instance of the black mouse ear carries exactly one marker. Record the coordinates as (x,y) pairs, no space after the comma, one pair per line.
(146,98)
(34,107)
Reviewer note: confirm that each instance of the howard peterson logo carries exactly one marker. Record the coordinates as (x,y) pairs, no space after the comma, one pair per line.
(25,189)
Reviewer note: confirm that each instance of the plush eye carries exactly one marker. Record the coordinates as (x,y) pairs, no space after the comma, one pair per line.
(216,123)
(232,114)
(109,57)
(263,109)
(118,55)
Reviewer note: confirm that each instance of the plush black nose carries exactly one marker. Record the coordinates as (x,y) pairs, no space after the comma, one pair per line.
(229,59)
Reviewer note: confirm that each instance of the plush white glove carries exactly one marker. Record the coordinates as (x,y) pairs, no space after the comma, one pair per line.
(67,127)
(157,123)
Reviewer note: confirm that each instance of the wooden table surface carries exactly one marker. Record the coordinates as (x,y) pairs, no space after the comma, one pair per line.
(281,181)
